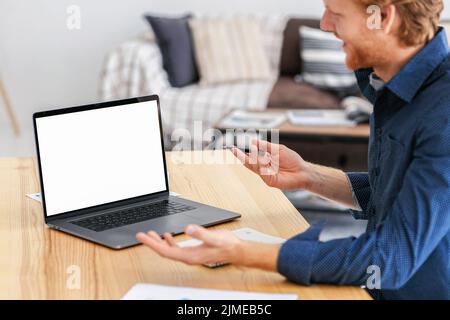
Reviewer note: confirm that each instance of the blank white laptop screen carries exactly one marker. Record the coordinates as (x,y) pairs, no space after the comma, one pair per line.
(100,156)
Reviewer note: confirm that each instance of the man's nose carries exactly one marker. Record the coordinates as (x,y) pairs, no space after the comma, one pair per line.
(326,24)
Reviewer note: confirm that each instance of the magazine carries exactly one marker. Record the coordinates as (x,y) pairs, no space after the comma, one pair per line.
(253,120)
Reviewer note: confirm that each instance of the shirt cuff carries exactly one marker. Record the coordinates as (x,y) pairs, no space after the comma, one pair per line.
(360,185)
(355,199)
(296,256)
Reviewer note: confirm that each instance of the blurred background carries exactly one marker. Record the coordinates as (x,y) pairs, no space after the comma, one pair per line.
(45,63)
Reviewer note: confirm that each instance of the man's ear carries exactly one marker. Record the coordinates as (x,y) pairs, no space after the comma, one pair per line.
(389,19)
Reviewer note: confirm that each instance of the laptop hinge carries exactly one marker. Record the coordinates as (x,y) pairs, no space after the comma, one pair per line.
(97,209)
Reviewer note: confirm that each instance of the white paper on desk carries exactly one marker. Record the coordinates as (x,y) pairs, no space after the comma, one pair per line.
(247,234)
(37,196)
(143,291)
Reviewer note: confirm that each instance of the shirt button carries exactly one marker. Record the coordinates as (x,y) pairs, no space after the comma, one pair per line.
(378,131)
(376,171)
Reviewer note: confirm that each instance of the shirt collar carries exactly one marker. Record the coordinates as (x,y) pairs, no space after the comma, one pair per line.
(376,82)
(411,78)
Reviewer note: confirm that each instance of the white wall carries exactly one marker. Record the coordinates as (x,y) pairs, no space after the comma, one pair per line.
(44,65)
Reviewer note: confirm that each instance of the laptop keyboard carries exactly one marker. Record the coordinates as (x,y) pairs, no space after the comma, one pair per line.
(129,216)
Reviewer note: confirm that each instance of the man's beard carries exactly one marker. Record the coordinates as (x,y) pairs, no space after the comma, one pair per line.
(365,55)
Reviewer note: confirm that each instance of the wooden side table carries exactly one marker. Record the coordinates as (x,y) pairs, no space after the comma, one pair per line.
(339,147)
(9,109)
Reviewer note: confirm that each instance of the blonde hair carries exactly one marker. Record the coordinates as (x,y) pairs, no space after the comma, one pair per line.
(420,18)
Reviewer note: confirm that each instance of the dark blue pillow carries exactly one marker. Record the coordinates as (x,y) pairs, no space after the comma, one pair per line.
(175,41)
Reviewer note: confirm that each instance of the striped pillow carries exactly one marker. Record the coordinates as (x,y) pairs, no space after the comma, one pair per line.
(324,61)
(229,50)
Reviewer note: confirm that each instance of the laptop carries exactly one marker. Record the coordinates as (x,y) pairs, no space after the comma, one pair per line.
(103,174)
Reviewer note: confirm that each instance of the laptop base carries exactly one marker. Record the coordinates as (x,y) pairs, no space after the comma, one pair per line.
(125,236)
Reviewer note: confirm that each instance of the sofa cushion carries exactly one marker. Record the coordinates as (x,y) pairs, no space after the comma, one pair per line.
(272,27)
(287,94)
(175,42)
(229,50)
(324,64)
(291,63)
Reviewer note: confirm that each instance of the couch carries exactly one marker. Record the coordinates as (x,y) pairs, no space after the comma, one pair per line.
(134,68)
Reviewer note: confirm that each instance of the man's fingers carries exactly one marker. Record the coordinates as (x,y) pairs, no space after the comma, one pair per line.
(191,255)
(149,241)
(162,248)
(256,161)
(200,233)
(243,158)
(264,159)
(266,146)
(155,236)
(254,155)
(168,237)
(240,155)
(258,158)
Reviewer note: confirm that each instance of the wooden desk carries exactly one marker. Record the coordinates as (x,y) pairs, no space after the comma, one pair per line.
(34,259)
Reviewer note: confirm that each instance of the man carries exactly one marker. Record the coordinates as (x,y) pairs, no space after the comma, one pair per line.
(403,68)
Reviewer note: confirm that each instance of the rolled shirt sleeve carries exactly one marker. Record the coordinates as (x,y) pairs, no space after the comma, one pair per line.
(361,192)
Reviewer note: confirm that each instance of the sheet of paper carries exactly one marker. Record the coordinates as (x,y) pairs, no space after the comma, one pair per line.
(256,236)
(143,291)
(37,196)
(247,234)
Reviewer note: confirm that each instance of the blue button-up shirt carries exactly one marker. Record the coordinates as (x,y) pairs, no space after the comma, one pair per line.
(405,196)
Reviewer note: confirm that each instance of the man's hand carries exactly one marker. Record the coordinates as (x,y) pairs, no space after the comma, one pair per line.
(278,166)
(282,168)
(217,247)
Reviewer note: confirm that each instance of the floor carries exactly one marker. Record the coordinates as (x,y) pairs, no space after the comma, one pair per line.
(339,224)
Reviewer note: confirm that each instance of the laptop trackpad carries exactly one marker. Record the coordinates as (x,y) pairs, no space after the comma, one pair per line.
(172,224)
